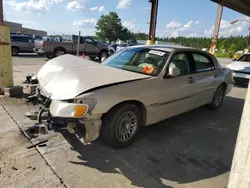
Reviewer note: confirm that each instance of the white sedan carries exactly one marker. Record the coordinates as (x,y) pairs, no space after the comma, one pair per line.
(241,69)
(135,87)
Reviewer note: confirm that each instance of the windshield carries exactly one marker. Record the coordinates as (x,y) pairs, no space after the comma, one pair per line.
(140,60)
(245,58)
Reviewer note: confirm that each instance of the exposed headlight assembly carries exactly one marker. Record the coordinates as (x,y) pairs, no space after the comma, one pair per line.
(68,110)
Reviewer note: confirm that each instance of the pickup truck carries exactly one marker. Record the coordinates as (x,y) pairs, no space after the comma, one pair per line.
(87,45)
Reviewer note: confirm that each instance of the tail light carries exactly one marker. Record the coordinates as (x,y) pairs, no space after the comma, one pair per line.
(43,44)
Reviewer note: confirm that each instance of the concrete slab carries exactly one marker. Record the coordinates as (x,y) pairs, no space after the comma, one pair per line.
(20,167)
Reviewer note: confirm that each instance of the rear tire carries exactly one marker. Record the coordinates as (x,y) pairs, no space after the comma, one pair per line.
(218,97)
(121,125)
(49,56)
(14,51)
(59,52)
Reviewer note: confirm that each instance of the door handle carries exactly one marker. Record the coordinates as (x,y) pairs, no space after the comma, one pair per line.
(216,75)
(191,80)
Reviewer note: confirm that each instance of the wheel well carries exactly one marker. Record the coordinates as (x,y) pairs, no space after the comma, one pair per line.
(139,104)
(59,48)
(104,50)
(224,84)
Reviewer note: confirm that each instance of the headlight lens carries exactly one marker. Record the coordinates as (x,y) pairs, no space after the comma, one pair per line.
(68,110)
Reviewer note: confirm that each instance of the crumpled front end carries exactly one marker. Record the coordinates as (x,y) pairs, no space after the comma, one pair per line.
(73,113)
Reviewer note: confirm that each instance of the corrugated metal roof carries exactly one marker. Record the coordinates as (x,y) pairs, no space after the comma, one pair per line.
(242,6)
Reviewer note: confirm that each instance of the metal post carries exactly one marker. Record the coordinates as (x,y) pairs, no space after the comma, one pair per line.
(240,170)
(248,44)
(153,21)
(1,12)
(78,43)
(216,29)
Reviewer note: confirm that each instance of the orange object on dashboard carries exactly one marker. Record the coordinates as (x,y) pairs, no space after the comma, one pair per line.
(148,70)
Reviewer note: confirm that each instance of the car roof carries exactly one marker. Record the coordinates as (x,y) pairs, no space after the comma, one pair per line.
(167,48)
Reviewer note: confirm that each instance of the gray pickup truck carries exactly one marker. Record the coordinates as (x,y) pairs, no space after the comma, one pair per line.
(87,45)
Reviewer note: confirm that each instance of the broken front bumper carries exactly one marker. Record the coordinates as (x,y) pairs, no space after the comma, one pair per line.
(80,113)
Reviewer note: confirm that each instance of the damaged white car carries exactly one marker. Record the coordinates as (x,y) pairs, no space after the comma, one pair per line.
(135,87)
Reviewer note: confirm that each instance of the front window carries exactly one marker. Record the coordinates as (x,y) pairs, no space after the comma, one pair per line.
(140,60)
(245,58)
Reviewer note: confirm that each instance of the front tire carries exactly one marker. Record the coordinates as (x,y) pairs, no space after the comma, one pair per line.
(103,55)
(218,97)
(121,126)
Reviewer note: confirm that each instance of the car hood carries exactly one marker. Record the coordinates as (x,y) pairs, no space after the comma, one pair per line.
(240,66)
(68,76)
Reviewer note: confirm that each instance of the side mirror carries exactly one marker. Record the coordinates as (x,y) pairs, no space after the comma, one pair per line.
(174,71)
(30,41)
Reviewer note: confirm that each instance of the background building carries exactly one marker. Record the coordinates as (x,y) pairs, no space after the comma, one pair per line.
(18,28)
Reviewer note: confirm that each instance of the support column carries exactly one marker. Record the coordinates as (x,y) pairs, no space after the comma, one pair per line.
(6,72)
(153,21)
(216,29)
(240,170)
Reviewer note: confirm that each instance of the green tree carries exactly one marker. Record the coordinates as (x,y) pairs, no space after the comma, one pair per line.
(109,27)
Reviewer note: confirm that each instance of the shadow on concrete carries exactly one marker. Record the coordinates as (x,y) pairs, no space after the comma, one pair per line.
(29,55)
(187,148)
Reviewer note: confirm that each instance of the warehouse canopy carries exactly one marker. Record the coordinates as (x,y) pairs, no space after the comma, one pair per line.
(242,6)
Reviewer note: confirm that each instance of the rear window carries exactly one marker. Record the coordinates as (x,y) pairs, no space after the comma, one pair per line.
(203,63)
(19,39)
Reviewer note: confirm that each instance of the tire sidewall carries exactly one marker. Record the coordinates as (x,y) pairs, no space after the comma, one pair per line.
(213,104)
(56,53)
(113,124)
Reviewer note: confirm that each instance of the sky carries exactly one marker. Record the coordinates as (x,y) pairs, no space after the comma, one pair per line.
(175,17)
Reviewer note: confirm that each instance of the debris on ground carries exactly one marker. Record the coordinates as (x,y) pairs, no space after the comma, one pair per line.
(36,129)
(15,91)
(37,144)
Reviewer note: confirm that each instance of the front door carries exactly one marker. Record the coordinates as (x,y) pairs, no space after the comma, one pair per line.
(91,46)
(177,94)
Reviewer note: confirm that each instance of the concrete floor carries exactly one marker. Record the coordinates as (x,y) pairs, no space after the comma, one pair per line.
(192,150)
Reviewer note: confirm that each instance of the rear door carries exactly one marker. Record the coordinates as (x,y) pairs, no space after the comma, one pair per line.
(30,44)
(206,78)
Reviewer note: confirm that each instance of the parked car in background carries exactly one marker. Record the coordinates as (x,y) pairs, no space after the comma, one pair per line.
(21,44)
(125,45)
(241,69)
(87,45)
(135,87)
(38,47)
(114,46)
(111,50)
